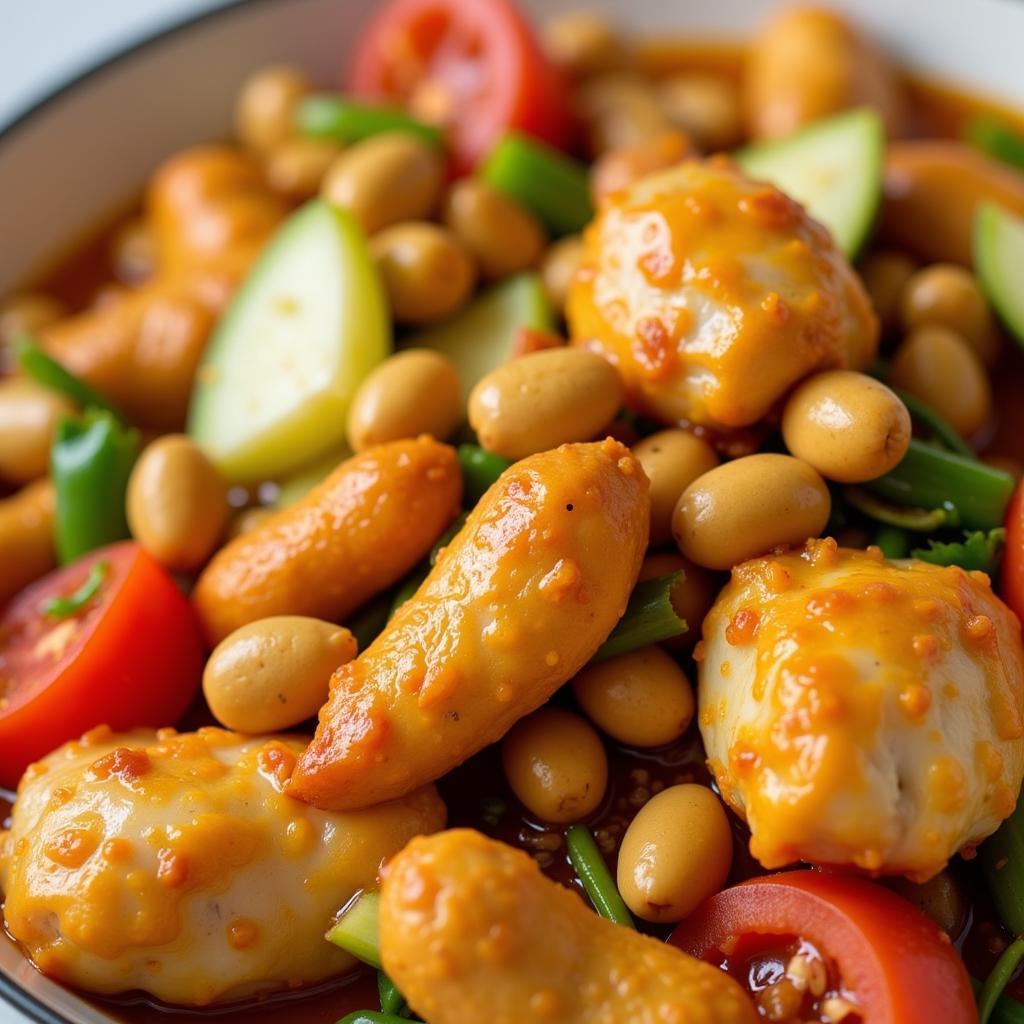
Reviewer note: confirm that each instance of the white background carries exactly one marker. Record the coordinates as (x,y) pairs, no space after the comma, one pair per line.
(43,43)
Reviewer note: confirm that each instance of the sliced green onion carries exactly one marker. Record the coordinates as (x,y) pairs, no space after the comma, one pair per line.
(977,551)
(391,1000)
(447,537)
(356,929)
(996,138)
(64,607)
(480,469)
(920,520)
(894,541)
(938,425)
(1006,1011)
(90,462)
(551,184)
(367,623)
(931,478)
(1002,856)
(329,116)
(45,370)
(650,618)
(589,865)
(999,978)
(408,587)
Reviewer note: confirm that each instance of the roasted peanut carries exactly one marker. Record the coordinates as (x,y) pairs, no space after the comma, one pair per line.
(544,399)
(354,534)
(619,109)
(885,273)
(296,167)
(618,168)
(28,415)
(471,930)
(748,506)
(273,673)
(411,393)
(583,43)
(266,105)
(706,107)
(559,266)
(517,603)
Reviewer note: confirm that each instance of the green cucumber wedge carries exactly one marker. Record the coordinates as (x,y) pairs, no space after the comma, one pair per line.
(306,327)
(481,337)
(999,263)
(834,168)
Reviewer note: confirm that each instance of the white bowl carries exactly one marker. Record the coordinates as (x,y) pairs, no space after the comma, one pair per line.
(79,154)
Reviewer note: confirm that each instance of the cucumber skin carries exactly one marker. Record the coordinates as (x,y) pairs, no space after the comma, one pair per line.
(852,243)
(990,221)
(375,345)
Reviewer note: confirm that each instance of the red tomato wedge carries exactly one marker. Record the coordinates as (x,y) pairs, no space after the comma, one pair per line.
(472,66)
(896,962)
(132,655)
(1012,578)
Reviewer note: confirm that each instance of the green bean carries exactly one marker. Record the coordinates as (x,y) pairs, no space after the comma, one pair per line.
(999,978)
(919,520)
(1007,1009)
(650,618)
(329,116)
(894,541)
(372,1017)
(391,1000)
(546,181)
(1002,856)
(65,607)
(994,137)
(590,868)
(90,462)
(938,425)
(356,930)
(930,478)
(480,469)
(43,369)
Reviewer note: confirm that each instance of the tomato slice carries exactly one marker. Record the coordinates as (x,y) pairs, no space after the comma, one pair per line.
(132,655)
(1012,576)
(894,960)
(472,66)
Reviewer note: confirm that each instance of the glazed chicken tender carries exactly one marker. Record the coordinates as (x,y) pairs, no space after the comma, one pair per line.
(714,294)
(864,712)
(515,606)
(176,864)
(471,930)
(211,213)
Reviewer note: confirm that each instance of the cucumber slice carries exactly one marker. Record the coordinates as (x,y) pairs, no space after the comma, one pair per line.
(356,929)
(481,336)
(307,326)
(999,263)
(833,167)
(299,484)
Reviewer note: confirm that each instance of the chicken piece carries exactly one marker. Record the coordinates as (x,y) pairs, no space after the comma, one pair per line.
(362,528)
(863,712)
(470,930)
(714,294)
(516,605)
(211,213)
(175,864)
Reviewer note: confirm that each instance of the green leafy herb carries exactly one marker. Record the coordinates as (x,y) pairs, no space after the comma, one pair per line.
(72,604)
(978,550)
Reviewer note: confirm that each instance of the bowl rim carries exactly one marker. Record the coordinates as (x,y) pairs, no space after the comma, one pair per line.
(109,58)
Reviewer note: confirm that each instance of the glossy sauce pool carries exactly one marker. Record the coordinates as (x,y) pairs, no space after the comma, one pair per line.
(476,794)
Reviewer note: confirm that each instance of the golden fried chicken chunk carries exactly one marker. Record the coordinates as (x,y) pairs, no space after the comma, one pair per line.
(470,930)
(175,864)
(714,294)
(863,712)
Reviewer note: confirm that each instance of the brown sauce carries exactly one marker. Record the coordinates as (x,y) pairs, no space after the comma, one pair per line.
(475,793)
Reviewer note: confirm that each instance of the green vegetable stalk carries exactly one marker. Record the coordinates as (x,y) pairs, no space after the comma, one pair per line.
(552,185)
(35,363)
(938,426)
(329,116)
(1000,977)
(90,462)
(930,478)
(592,871)
(356,930)
(997,139)
(391,1000)
(650,618)
(480,469)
